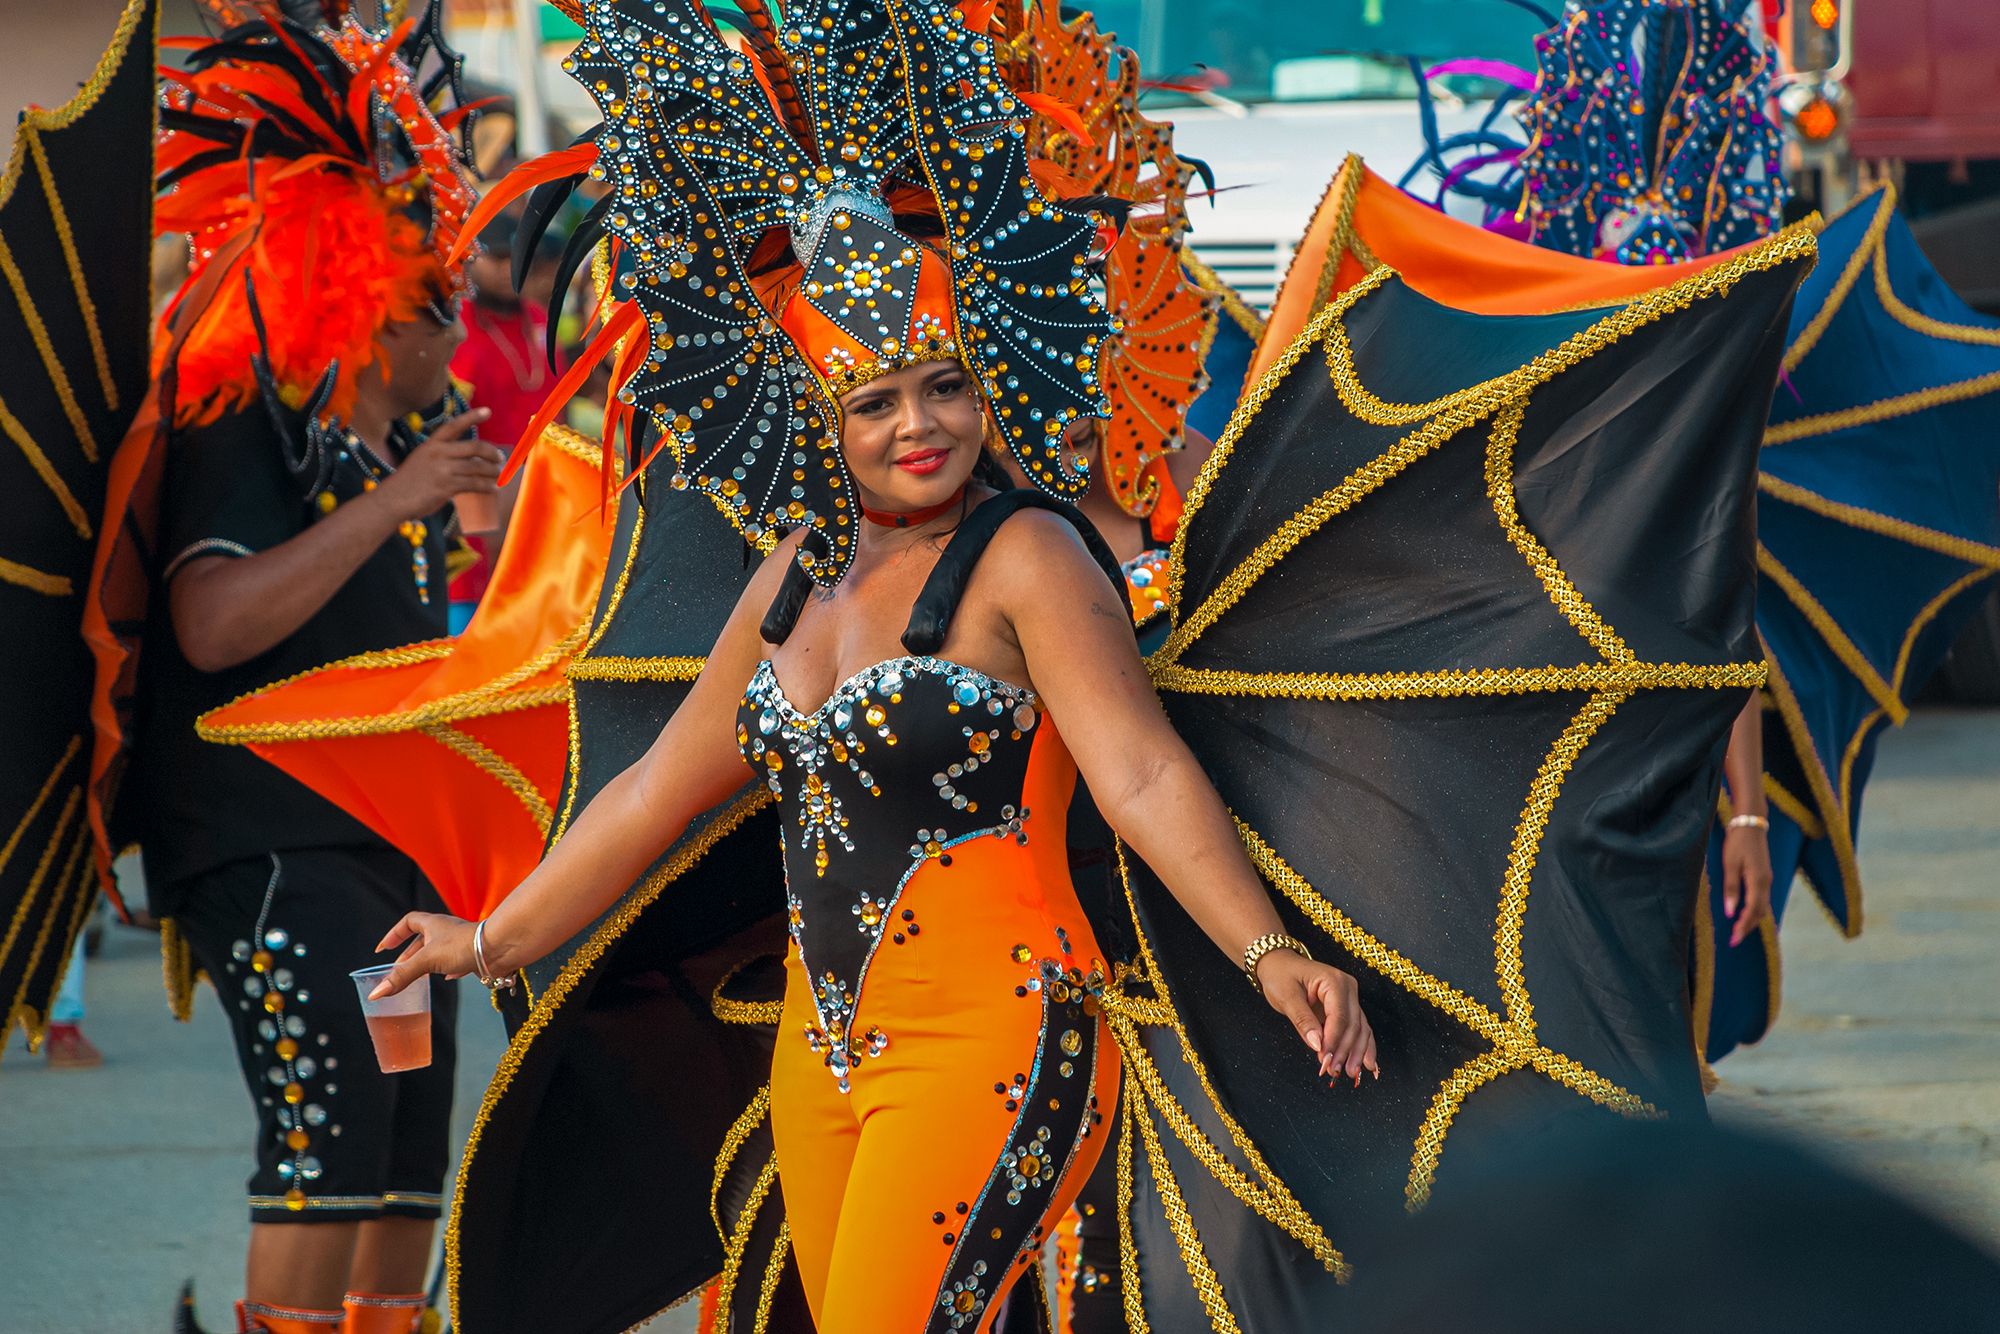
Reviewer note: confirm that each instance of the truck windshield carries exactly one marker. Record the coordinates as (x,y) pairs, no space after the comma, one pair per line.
(1312,50)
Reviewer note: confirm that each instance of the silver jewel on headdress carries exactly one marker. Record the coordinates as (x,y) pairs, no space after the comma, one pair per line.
(813,218)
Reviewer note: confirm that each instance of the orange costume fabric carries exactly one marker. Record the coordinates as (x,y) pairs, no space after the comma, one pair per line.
(890,1186)
(943,1064)
(475,728)
(1364,221)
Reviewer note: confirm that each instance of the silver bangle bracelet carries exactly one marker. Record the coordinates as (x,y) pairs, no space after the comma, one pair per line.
(479,968)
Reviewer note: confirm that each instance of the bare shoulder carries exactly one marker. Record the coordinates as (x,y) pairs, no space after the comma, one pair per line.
(1039,562)
(1034,545)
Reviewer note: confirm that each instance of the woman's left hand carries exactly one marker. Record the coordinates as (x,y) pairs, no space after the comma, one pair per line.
(439,943)
(1746,880)
(1323,1005)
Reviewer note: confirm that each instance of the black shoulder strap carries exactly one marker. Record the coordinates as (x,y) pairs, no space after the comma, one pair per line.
(785,608)
(931,617)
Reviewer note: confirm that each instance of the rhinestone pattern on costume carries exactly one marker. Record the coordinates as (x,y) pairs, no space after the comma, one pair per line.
(1055,1110)
(298,1079)
(906,760)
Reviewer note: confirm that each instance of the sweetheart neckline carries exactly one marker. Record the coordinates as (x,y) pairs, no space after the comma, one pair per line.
(768,668)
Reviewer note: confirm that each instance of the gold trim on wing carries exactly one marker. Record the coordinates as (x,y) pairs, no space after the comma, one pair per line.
(602,938)
(1443,417)
(498,768)
(1208,280)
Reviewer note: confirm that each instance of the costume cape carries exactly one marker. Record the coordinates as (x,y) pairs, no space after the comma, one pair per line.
(76,226)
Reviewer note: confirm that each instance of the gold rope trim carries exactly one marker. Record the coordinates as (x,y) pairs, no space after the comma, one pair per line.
(33,1019)
(739,1133)
(1797,811)
(774,1274)
(62,835)
(1461,1084)
(1916,320)
(1447,415)
(1130,1281)
(1702,993)
(85,306)
(1201,1273)
(1901,405)
(51,365)
(1830,632)
(660,670)
(1505,1035)
(15,431)
(1254,398)
(1871,241)
(1233,304)
(35,808)
(498,768)
(1622,677)
(1526,850)
(607,933)
(40,120)
(1272,1199)
(1576,609)
(1833,814)
(35,581)
(1925,616)
(748,1014)
(618,587)
(1343,239)
(178,970)
(496,696)
(1947,544)
(738,1240)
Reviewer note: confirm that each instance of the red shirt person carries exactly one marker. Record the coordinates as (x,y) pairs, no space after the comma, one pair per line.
(504,361)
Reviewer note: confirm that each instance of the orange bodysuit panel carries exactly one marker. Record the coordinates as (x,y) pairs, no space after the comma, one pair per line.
(941,1061)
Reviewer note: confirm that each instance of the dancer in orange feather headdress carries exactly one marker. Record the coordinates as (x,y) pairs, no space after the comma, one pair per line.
(285,499)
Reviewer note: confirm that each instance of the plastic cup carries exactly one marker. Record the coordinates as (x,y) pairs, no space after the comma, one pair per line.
(478,512)
(399,1024)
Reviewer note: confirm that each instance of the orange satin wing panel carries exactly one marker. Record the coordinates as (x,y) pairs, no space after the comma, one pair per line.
(453,750)
(1364,220)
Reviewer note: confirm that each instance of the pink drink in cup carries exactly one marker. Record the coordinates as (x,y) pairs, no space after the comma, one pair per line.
(399,1024)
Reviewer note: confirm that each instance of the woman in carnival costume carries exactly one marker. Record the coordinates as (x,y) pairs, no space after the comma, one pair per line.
(1500,656)
(844,273)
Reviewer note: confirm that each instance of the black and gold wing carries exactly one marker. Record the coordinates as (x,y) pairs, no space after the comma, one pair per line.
(1463,612)
(76,216)
(634,1092)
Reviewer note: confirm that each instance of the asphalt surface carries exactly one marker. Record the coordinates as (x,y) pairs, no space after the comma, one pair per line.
(118,1183)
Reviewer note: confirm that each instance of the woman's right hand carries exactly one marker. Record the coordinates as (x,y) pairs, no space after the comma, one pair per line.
(439,943)
(1323,1005)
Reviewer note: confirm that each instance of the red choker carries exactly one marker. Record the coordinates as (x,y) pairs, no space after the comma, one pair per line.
(911,518)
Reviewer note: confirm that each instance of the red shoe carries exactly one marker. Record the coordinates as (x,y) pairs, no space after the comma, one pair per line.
(69,1049)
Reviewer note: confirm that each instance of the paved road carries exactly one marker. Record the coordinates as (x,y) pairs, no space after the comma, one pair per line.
(118,1183)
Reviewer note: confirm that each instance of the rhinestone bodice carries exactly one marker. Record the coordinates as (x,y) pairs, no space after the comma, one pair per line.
(905,760)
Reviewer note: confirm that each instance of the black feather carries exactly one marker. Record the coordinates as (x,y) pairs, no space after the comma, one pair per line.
(581,242)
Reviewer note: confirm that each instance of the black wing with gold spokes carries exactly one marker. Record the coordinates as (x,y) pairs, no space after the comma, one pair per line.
(76,216)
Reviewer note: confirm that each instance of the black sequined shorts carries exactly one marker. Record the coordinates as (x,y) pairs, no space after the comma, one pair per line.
(337,1140)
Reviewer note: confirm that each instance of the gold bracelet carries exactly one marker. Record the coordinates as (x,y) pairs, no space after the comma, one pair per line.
(1263,945)
(1749,822)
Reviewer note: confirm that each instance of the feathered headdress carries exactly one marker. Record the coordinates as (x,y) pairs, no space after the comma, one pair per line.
(1089,143)
(312,161)
(848,193)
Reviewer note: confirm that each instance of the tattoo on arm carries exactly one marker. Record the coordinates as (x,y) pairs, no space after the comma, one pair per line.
(1111,613)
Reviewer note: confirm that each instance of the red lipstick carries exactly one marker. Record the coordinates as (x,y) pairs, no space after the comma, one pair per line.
(923,462)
